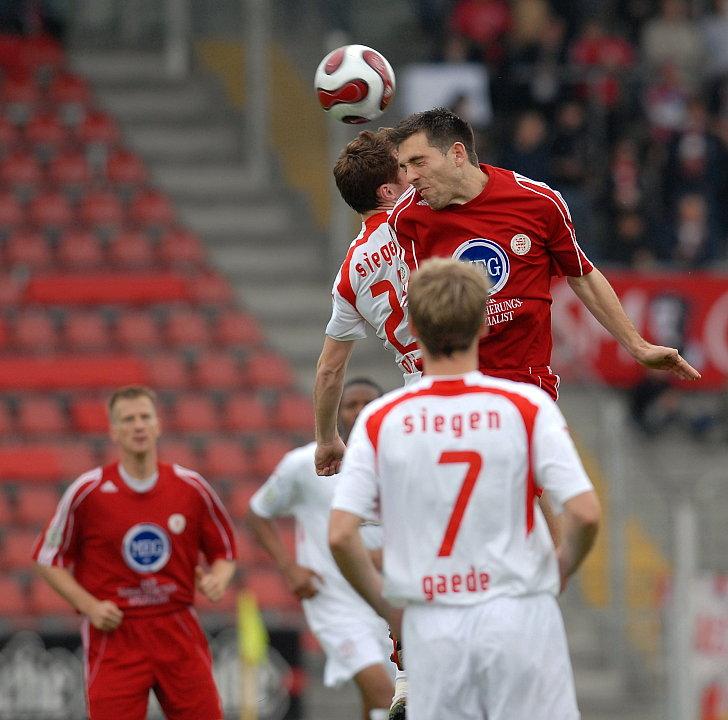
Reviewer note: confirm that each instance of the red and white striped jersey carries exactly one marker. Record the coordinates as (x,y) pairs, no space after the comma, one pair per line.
(138,549)
(520,233)
(452,466)
(371,289)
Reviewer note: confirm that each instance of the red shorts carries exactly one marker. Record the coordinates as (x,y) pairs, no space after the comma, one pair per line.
(165,653)
(541,376)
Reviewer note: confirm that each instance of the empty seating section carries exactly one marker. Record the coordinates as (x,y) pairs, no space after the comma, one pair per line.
(101,287)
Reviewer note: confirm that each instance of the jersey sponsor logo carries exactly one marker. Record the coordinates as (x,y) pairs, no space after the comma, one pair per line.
(520,244)
(176,523)
(488,257)
(146,548)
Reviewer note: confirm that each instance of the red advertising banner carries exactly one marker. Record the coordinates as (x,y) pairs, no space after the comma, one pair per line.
(687,310)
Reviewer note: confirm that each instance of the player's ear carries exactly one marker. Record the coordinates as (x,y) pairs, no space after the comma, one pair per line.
(459,154)
(386,193)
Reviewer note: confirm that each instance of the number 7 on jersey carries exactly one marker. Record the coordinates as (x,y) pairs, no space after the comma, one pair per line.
(474,461)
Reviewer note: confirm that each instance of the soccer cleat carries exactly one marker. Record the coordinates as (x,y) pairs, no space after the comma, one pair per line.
(398,711)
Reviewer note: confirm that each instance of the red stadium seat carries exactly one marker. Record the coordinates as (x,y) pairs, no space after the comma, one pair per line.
(80,249)
(11,211)
(98,128)
(44,600)
(219,371)
(21,171)
(178,452)
(196,414)
(69,171)
(101,209)
(181,246)
(27,249)
(86,331)
(246,414)
(67,89)
(17,548)
(41,415)
(294,413)
(131,248)
(12,597)
(6,427)
(234,328)
(51,462)
(224,458)
(167,372)
(124,168)
(89,415)
(9,136)
(269,370)
(6,511)
(35,506)
(137,330)
(268,453)
(34,330)
(238,503)
(40,55)
(187,328)
(50,211)
(212,290)
(21,96)
(46,134)
(270,590)
(151,209)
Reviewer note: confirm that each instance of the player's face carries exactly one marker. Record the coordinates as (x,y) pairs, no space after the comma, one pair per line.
(353,400)
(433,173)
(134,425)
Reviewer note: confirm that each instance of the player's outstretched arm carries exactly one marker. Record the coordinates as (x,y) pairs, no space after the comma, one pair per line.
(579,526)
(213,583)
(602,302)
(327,390)
(103,614)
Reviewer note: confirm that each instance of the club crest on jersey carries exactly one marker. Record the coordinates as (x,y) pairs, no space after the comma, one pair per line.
(489,258)
(520,244)
(146,548)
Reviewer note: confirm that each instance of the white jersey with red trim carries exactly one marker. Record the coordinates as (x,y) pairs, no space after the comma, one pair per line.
(371,289)
(452,466)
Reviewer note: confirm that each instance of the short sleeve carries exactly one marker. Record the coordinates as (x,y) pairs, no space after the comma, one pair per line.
(217,540)
(345,322)
(277,496)
(558,468)
(568,257)
(357,491)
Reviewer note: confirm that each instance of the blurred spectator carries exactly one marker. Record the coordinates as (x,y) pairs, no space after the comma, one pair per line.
(528,152)
(479,27)
(655,404)
(625,183)
(530,18)
(673,37)
(432,16)
(629,245)
(32,17)
(691,238)
(666,102)
(715,36)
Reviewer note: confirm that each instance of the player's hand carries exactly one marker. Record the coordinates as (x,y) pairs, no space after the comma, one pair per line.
(658,357)
(105,615)
(302,581)
(328,457)
(209,584)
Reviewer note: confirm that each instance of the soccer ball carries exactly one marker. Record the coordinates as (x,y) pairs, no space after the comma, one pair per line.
(354,84)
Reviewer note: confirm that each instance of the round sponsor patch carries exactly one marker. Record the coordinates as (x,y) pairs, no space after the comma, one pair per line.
(488,257)
(176,523)
(520,244)
(146,548)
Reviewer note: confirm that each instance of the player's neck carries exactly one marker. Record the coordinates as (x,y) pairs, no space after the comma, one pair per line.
(139,466)
(379,209)
(473,183)
(459,363)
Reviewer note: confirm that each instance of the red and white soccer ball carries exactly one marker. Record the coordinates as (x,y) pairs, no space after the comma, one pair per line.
(354,84)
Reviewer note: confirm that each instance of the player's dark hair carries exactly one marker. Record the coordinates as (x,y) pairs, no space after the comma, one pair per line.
(365,164)
(441,126)
(131,392)
(364,381)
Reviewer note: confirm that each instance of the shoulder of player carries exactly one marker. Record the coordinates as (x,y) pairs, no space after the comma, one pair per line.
(538,192)
(84,484)
(528,391)
(187,478)
(409,205)
(299,459)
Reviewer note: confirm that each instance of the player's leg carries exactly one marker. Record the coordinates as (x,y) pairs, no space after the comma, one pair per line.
(375,687)
(117,674)
(183,661)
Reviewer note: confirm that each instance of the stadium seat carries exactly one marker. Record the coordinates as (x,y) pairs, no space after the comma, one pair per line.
(21,97)
(21,172)
(294,413)
(268,453)
(89,415)
(245,414)
(11,212)
(212,289)
(195,414)
(34,330)
(125,169)
(69,172)
(270,590)
(235,328)
(225,458)
(46,135)
(50,211)
(41,415)
(186,328)
(151,208)
(16,550)
(167,372)
(40,55)
(27,249)
(12,597)
(98,128)
(44,600)
(181,246)
(178,452)
(101,209)
(220,371)
(35,506)
(69,91)
(136,330)
(269,370)
(131,248)
(86,331)
(9,136)
(80,249)
(238,501)
(6,511)
(6,427)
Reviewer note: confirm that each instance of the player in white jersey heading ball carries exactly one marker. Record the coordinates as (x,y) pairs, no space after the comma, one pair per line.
(370,288)
(353,637)
(452,465)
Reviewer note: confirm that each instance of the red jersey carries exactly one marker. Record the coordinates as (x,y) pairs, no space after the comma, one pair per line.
(520,233)
(138,549)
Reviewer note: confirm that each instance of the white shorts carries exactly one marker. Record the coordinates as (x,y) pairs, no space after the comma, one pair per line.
(504,659)
(351,648)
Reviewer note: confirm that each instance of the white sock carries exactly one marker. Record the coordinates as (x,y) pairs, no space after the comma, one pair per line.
(400,685)
(378,714)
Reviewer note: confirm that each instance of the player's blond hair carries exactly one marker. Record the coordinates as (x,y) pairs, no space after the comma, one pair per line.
(447,303)
(130,392)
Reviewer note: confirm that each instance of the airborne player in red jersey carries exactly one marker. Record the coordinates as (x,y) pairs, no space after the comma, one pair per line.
(122,549)
(519,231)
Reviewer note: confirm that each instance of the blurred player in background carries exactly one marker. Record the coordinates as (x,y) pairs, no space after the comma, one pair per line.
(452,466)
(519,232)
(353,637)
(123,549)
(369,288)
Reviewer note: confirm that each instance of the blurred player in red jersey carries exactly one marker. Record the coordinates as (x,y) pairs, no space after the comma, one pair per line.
(519,232)
(123,549)
(370,287)
(452,466)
